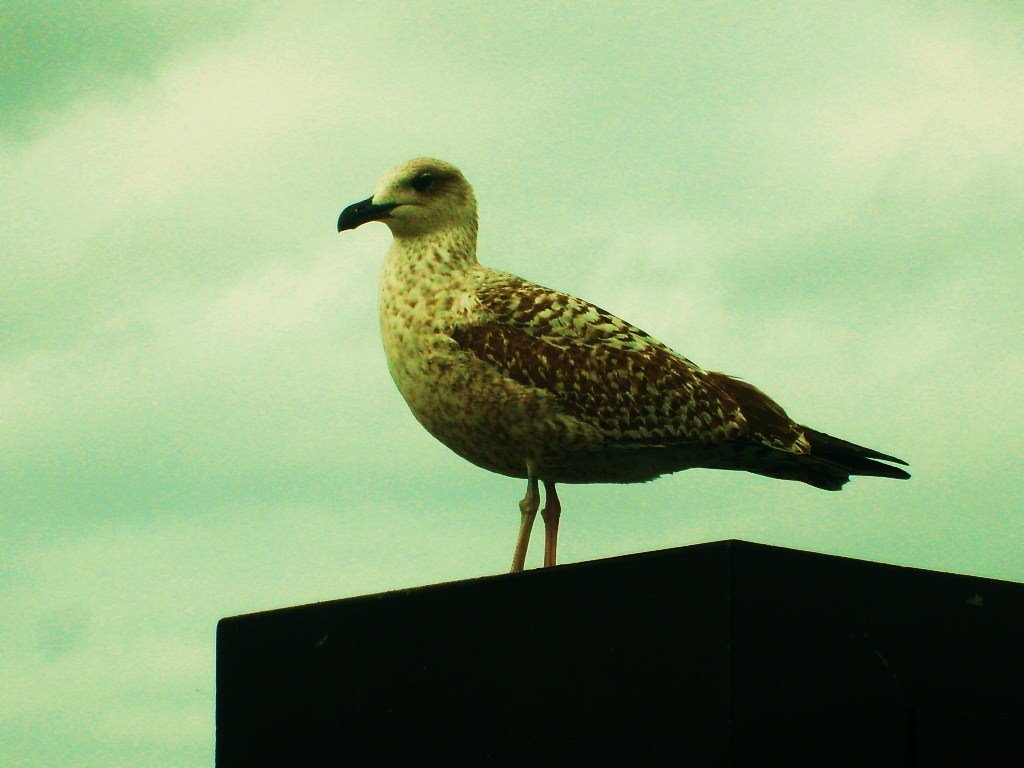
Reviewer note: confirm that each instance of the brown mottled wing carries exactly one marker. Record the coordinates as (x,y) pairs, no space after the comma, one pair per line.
(613,375)
(766,421)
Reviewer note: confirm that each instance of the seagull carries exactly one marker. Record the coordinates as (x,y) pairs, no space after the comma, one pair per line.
(533,383)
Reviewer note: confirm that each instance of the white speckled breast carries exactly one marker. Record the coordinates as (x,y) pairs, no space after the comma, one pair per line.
(428,288)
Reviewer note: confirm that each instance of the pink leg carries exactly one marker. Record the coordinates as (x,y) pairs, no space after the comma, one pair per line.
(528,507)
(551,512)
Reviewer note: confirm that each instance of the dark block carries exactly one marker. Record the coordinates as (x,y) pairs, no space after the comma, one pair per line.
(718,654)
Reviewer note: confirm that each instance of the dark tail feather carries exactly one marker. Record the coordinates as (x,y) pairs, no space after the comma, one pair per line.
(857,459)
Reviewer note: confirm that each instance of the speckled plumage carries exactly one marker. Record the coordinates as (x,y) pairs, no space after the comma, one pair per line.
(530,382)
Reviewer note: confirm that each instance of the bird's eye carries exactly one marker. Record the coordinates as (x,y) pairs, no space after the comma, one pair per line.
(423,182)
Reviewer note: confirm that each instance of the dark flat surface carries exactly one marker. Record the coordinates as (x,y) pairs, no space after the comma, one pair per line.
(716,654)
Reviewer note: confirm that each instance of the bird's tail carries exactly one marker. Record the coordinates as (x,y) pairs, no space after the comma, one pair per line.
(853,459)
(828,466)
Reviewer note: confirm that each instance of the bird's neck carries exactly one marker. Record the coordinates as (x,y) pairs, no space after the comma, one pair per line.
(440,253)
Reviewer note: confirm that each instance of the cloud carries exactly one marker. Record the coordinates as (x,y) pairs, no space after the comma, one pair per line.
(53,56)
(195,413)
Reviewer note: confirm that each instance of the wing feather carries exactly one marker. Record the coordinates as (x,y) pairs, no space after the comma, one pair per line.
(613,375)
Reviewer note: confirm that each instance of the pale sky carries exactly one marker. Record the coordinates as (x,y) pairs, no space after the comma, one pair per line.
(195,415)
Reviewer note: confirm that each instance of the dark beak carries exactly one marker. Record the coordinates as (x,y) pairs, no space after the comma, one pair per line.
(362,212)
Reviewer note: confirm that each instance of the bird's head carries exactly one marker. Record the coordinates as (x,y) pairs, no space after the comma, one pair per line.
(416,198)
